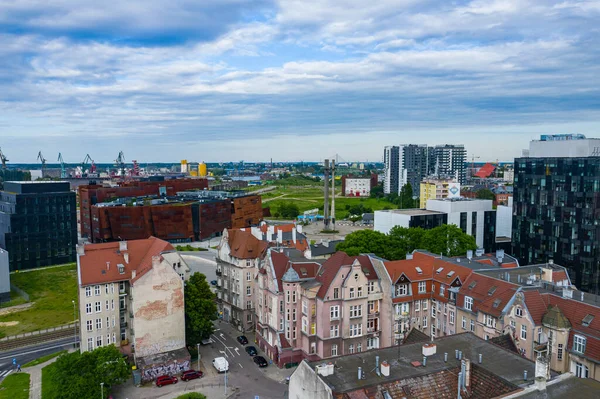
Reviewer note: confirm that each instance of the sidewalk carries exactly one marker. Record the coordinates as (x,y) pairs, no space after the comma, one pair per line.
(35,372)
(273,372)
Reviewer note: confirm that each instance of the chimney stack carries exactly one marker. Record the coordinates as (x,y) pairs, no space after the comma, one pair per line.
(294,235)
(155,261)
(279,237)
(122,246)
(126,257)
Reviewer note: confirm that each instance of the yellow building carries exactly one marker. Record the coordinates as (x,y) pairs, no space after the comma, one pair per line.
(436,189)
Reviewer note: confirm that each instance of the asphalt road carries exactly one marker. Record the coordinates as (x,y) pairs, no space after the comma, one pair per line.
(28,354)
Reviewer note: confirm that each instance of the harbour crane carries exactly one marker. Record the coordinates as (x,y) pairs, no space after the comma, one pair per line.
(63,172)
(120,163)
(43,161)
(3,159)
(85,162)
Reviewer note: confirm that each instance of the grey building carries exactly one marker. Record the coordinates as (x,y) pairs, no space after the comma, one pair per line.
(556,206)
(38,224)
(448,160)
(405,164)
(4,277)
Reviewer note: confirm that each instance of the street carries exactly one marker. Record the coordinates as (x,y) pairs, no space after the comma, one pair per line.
(28,354)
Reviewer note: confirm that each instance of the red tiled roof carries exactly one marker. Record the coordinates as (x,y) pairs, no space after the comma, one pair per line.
(559,275)
(429,266)
(535,305)
(367,267)
(99,263)
(485,292)
(330,270)
(285,228)
(243,245)
(279,262)
(306,269)
(485,171)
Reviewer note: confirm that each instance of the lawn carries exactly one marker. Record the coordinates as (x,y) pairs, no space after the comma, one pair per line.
(15,386)
(49,390)
(51,290)
(43,359)
(15,299)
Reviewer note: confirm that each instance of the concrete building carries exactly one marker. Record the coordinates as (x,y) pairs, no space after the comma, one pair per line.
(432,188)
(4,277)
(38,224)
(504,214)
(448,160)
(388,219)
(556,206)
(358,186)
(128,292)
(404,164)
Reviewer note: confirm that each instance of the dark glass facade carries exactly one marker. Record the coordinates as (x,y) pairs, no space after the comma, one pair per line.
(428,221)
(556,215)
(38,224)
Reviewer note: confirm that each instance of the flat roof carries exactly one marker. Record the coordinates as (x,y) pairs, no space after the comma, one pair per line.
(497,360)
(580,388)
(413,212)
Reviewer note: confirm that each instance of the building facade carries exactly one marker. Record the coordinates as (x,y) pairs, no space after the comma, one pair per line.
(128,292)
(405,164)
(437,189)
(4,277)
(358,186)
(448,160)
(38,224)
(388,219)
(556,207)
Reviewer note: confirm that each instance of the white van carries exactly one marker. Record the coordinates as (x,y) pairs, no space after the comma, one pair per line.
(221,364)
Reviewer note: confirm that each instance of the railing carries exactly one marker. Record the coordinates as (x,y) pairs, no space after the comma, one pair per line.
(42,332)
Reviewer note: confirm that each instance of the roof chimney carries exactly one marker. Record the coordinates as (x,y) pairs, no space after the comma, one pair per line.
(133,274)
(409,256)
(294,235)
(122,246)
(299,228)
(470,254)
(500,255)
(385,369)
(107,265)
(80,249)
(126,257)
(550,261)
(279,237)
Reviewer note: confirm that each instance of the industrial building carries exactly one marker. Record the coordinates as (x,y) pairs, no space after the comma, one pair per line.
(4,277)
(358,186)
(557,206)
(185,217)
(93,194)
(38,224)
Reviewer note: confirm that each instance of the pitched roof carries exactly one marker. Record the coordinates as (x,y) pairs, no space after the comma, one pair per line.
(489,295)
(99,264)
(425,266)
(505,341)
(330,270)
(555,318)
(535,305)
(414,336)
(243,244)
(486,170)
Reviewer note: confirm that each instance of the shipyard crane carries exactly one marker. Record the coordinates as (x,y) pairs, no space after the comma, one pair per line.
(120,163)
(3,159)
(85,162)
(43,161)
(63,172)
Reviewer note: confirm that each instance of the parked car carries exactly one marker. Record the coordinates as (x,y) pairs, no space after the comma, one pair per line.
(251,351)
(213,282)
(191,375)
(242,340)
(165,380)
(221,364)
(261,361)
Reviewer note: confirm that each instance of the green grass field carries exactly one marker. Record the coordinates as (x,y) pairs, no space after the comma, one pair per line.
(15,386)
(43,359)
(15,299)
(51,290)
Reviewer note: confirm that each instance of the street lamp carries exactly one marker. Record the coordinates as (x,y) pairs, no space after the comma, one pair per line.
(198,346)
(102,390)
(75,323)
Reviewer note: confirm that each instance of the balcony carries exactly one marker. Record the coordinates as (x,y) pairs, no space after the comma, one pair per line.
(218,272)
(373,314)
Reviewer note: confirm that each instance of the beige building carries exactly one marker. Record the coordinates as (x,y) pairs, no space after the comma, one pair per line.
(435,189)
(128,292)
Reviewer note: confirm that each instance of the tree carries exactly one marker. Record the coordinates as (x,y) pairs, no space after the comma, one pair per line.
(288,210)
(200,309)
(405,240)
(485,193)
(377,192)
(78,375)
(448,240)
(406,197)
(355,218)
(365,241)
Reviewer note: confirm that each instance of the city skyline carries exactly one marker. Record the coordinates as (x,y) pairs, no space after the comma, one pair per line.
(228,80)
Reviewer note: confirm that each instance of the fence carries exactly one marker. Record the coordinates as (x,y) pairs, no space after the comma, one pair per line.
(43,332)
(19,291)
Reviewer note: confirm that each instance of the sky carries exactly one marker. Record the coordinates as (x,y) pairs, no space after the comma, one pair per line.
(292,80)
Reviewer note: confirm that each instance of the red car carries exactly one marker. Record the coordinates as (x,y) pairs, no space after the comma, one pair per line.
(165,380)
(191,375)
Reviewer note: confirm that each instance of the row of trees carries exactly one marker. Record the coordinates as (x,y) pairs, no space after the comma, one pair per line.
(447,239)
(404,200)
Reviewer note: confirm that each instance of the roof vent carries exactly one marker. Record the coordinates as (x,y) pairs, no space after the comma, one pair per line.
(450,274)
(438,271)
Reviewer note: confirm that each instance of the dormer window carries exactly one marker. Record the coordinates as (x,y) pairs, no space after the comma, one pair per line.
(419,270)
(438,271)
(472,285)
(492,290)
(121,268)
(587,320)
(579,342)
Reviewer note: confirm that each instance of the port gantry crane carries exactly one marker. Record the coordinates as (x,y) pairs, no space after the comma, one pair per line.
(120,163)
(63,172)
(43,161)
(3,159)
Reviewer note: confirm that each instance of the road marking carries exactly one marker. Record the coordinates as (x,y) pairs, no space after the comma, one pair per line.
(5,374)
(35,351)
(241,365)
(228,348)
(237,350)
(222,335)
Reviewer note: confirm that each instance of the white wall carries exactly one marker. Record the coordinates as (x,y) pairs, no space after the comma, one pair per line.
(4,273)
(360,185)
(504,219)
(305,384)
(385,220)
(563,148)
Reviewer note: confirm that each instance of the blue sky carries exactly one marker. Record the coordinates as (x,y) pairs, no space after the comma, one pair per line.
(221,80)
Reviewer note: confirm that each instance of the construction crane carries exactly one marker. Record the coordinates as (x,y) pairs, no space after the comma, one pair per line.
(3,159)
(120,163)
(63,172)
(43,161)
(473,158)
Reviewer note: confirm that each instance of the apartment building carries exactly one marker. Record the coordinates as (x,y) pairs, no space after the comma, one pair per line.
(311,311)
(128,292)
(433,188)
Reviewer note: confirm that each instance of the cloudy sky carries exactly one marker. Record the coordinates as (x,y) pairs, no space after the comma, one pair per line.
(221,80)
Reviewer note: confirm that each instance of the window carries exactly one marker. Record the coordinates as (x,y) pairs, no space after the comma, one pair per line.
(287,314)
(106,289)
(579,344)
(523,331)
(334,312)
(424,321)
(442,289)
(114,321)
(519,311)
(402,290)
(334,331)
(248,263)
(352,292)
(468,303)
(293,314)
(351,348)
(359,292)
(313,328)
(424,304)
(88,308)
(513,324)
(89,325)
(281,324)
(112,304)
(304,324)
(107,322)
(98,341)
(472,325)
(97,293)
(581,371)
(107,305)
(358,347)
(90,344)
(88,291)
(464,323)
(248,276)
(280,306)
(451,317)
(371,287)
(417,306)
(559,355)
(334,350)
(539,335)
(287,297)
(98,307)
(336,295)
(248,304)
(294,296)
(422,287)
(98,324)
(355,330)
(114,338)
(355,311)
(304,307)
(433,312)
(249,320)
(112,288)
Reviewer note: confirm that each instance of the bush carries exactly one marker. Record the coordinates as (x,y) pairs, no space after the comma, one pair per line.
(192,395)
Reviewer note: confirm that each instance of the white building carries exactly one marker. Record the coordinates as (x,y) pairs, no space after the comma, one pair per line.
(504,219)
(4,277)
(564,145)
(388,219)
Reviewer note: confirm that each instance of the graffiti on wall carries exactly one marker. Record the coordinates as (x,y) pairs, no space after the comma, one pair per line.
(165,369)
